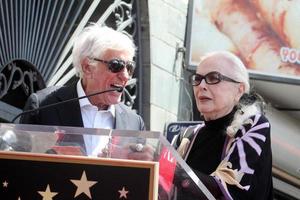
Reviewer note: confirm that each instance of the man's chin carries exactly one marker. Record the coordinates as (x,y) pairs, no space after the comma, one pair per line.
(113,101)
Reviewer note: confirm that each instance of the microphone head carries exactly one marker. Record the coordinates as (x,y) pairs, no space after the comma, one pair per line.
(118,88)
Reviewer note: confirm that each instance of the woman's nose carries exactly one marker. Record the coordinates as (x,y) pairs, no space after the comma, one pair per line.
(202,83)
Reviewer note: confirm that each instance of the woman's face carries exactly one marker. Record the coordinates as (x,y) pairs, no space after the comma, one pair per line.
(217,100)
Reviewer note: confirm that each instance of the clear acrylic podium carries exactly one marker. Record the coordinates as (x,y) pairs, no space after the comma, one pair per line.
(37,163)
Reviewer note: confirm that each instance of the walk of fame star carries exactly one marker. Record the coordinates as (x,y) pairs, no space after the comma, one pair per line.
(83,185)
(123,193)
(5,184)
(47,195)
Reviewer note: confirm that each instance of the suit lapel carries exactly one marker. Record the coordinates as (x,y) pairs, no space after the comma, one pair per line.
(70,114)
(121,119)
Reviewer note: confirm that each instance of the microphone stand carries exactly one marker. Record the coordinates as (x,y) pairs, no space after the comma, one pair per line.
(118,89)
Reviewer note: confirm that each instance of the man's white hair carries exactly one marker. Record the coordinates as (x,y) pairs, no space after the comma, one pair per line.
(239,71)
(95,40)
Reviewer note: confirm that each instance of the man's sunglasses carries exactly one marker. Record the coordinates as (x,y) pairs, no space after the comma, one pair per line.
(210,78)
(116,65)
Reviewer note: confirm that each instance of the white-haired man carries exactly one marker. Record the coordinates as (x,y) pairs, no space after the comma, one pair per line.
(103,59)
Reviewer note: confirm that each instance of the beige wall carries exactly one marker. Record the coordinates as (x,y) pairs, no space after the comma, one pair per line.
(167,19)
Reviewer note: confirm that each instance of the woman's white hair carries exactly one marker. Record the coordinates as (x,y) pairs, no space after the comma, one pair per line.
(95,40)
(247,107)
(239,71)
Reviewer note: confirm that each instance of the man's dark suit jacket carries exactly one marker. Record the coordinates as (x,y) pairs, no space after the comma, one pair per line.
(69,114)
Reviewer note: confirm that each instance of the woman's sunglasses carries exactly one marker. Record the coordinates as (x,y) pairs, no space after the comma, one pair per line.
(210,78)
(116,65)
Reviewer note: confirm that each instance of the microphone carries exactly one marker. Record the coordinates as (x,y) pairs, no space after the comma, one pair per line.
(117,89)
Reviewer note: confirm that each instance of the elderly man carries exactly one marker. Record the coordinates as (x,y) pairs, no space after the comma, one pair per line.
(103,59)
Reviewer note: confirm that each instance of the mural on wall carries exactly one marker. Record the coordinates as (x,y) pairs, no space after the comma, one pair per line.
(263,33)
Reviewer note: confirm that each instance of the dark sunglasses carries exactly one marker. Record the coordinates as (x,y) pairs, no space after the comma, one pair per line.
(116,65)
(210,78)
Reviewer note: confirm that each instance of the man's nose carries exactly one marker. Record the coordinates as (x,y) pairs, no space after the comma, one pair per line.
(124,74)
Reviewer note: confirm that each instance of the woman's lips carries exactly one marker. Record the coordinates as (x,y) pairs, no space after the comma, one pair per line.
(204,98)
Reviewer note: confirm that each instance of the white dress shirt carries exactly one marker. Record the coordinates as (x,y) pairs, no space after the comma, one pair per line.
(94,118)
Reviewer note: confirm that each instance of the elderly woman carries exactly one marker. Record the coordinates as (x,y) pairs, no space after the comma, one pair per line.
(231,152)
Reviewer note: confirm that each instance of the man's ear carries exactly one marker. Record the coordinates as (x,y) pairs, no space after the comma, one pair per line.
(86,67)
